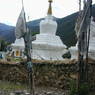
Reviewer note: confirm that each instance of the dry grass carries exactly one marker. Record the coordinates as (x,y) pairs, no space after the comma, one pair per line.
(5,85)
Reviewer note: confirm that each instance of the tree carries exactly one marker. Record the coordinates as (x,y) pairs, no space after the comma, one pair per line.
(3,45)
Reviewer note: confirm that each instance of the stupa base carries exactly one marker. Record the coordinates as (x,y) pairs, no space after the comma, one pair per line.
(47,52)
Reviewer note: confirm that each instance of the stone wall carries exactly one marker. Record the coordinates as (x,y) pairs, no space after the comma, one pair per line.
(56,75)
(45,74)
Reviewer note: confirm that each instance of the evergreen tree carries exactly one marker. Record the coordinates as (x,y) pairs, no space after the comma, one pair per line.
(3,45)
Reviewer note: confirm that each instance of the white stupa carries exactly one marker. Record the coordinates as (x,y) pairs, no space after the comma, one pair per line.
(91,54)
(18,47)
(47,45)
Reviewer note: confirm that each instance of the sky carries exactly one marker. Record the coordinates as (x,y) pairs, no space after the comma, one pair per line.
(35,9)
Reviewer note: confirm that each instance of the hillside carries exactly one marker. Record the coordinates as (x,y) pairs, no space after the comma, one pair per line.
(7,33)
(65,29)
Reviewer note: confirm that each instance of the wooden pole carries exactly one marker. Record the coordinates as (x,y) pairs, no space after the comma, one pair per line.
(28,47)
(83,32)
(79,5)
(88,38)
(22,4)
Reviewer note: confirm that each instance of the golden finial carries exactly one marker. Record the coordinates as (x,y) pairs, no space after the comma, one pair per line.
(49,0)
(50,8)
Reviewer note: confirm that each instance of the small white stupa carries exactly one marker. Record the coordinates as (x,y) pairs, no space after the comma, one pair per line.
(47,45)
(18,47)
(91,53)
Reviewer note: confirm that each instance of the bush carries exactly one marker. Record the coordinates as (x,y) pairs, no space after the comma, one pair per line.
(67,55)
(83,89)
(73,88)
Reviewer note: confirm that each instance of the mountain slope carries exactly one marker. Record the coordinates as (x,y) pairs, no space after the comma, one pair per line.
(65,29)
(7,33)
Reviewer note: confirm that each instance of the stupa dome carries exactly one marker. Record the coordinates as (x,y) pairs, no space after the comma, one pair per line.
(48,25)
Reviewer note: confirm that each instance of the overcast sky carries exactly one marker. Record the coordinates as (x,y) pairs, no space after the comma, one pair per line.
(35,9)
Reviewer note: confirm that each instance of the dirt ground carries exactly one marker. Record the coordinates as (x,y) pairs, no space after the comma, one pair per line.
(9,88)
(38,91)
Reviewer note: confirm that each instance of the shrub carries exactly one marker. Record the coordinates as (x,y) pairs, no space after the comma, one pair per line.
(83,89)
(73,88)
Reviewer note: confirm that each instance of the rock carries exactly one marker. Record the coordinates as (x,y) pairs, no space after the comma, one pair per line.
(36,93)
(49,93)
(0,92)
(18,93)
(63,93)
(27,94)
(12,93)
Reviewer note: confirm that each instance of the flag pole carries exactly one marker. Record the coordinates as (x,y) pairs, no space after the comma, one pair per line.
(79,5)
(27,39)
(22,4)
(82,65)
(29,63)
(88,38)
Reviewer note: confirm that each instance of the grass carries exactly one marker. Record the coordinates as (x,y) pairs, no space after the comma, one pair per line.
(9,86)
(10,60)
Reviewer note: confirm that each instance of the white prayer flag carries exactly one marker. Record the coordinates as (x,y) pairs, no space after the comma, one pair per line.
(82,27)
(21,25)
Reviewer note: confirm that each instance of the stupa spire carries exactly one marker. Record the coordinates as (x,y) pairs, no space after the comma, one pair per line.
(50,8)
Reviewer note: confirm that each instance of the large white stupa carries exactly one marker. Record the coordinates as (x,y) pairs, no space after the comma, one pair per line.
(91,53)
(47,45)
